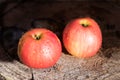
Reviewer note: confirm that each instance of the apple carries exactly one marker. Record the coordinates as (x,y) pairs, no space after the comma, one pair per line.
(82,37)
(39,48)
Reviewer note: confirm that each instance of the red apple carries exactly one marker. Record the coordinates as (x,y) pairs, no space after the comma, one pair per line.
(39,48)
(82,37)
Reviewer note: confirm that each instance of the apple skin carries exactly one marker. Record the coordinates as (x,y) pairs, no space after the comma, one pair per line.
(82,37)
(39,48)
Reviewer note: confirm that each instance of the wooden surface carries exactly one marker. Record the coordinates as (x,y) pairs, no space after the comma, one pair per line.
(68,67)
(104,66)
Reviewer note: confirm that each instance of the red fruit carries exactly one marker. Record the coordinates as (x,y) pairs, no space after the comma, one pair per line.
(82,37)
(39,48)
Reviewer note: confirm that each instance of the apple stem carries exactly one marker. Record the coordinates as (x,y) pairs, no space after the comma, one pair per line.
(84,25)
(37,37)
